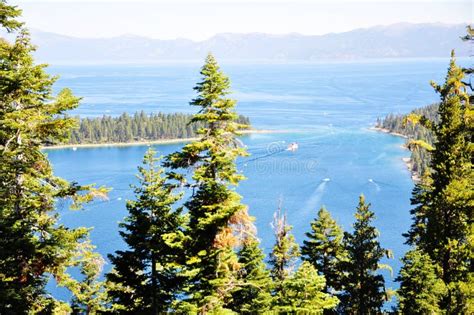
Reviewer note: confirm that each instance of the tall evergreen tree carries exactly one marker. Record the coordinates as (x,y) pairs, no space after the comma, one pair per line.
(299,290)
(284,255)
(214,208)
(33,244)
(324,249)
(253,295)
(420,289)
(442,218)
(364,289)
(145,278)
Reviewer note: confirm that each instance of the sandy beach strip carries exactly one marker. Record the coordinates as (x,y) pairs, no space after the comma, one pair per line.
(384,130)
(148,142)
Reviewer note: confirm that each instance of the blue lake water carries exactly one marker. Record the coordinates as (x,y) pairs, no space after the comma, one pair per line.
(326,108)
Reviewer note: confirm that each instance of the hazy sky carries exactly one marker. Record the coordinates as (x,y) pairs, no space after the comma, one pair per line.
(196,19)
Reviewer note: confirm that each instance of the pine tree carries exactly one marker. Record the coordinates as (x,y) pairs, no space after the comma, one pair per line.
(295,291)
(89,294)
(364,289)
(214,207)
(420,289)
(8,17)
(324,249)
(253,295)
(145,279)
(442,218)
(303,293)
(33,244)
(284,255)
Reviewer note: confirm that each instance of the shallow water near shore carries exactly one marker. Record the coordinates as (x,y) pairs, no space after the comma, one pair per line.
(327,109)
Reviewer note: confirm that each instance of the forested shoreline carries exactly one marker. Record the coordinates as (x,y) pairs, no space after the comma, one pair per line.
(400,124)
(139,127)
(191,245)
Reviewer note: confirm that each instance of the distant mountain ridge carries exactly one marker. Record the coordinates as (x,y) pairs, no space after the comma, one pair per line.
(402,40)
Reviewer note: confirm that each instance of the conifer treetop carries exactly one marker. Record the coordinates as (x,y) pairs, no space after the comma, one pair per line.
(34,244)
(8,15)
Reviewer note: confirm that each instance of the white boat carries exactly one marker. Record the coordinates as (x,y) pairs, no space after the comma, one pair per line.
(292,147)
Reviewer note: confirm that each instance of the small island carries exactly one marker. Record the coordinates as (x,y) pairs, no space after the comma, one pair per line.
(138,129)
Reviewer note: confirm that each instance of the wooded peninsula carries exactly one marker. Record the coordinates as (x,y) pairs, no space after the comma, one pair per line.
(138,128)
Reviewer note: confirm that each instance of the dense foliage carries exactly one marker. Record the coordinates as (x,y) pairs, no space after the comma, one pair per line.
(34,245)
(214,209)
(444,199)
(191,246)
(138,127)
(420,158)
(420,290)
(324,249)
(364,288)
(296,290)
(255,296)
(144,278)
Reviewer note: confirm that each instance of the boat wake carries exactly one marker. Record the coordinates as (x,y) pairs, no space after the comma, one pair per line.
(315,199)
(377,186)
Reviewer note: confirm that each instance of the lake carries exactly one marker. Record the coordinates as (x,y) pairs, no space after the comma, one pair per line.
(326,108)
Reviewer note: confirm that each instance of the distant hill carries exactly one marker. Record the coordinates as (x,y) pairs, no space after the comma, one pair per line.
(394,41)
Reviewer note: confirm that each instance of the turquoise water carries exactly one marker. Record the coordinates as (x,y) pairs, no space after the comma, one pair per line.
(326,108)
